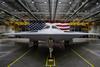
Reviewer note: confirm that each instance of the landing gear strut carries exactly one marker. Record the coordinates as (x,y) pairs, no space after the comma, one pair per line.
(50,43)
(33,43)
(50,52)
(66,43)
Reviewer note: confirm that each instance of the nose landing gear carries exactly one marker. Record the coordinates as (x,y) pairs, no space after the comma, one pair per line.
(50,43)
(50,52)
(50,62)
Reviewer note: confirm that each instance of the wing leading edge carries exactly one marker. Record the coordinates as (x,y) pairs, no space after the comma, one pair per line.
(47,35)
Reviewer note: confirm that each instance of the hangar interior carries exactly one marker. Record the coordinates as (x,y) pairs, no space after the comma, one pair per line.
(49,33)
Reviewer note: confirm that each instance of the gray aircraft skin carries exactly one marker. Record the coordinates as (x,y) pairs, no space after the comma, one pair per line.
(50,31)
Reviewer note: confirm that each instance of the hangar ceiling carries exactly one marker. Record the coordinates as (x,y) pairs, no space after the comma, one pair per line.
(51,9)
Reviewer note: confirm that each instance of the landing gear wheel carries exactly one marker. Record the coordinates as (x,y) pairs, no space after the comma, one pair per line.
(35,44)
(66,44)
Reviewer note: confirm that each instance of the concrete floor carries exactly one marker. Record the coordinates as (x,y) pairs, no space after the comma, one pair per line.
(76,55)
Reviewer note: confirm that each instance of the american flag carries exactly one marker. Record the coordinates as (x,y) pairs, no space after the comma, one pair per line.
(39,25)
(33,26)
(63,26)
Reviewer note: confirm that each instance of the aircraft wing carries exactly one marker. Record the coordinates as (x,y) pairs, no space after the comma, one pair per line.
(47,35)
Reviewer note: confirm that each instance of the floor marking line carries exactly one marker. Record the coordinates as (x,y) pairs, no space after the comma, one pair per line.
(54,62)
(46,61)
(18,58)
(92,65)
(91,51)
(5,52)
(3,55)
(50,65)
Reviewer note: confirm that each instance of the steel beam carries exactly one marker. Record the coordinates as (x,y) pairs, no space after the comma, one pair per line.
(96,13)
(28,10)
(7,12)
(79,9)
(50,9)
(55,11)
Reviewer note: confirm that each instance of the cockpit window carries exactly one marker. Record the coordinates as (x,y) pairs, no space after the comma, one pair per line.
(54,27)
(46,27)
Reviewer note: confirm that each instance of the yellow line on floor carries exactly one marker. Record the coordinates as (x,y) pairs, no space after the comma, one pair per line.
(88,62)
(54,62)
(50,65)
(46,61)
(9,65)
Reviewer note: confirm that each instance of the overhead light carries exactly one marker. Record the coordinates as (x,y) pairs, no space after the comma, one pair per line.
(15,10)
(70,2)
(45,2)
(86,11)
(46,10)
(37,10)
(83,2)
(59,2)
(2,12)
(3,2)
(97,3)
(32,1)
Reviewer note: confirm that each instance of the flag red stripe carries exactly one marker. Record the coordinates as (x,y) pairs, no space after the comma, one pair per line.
(62,25)
(64,28)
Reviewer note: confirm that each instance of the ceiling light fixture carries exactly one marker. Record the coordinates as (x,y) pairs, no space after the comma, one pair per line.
(3,2)
(46,10)
(59,2)
(37,10)
(83,2)
(2,12)
(45,2)
(15,10)
(70,2)
(32,1)
(97,3)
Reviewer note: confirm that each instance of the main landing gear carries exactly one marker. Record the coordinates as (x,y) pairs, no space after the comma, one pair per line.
(33,43)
